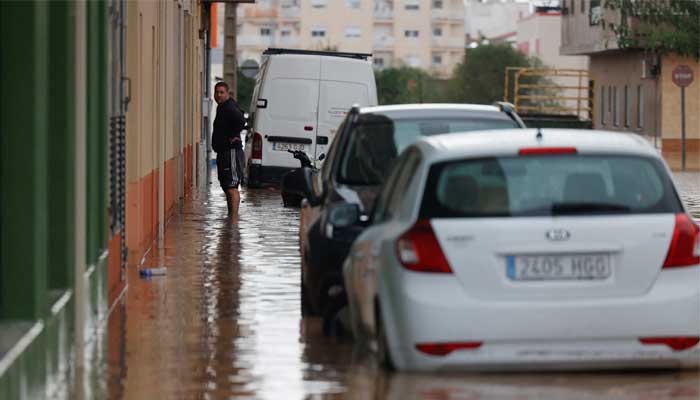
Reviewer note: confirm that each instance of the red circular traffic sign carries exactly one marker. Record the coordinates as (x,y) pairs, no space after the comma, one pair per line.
(683,76)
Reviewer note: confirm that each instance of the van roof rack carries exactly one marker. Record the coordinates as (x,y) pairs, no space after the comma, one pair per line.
(360,56)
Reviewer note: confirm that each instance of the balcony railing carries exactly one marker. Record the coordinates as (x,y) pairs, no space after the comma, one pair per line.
(383,43)
(383,14)
(444,14)
(253,40)
(449,42)
(289,41)
(290,12)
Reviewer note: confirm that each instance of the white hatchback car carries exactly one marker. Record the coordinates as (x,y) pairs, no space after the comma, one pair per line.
(528,249)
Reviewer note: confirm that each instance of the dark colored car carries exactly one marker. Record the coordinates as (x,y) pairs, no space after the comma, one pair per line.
(358,161)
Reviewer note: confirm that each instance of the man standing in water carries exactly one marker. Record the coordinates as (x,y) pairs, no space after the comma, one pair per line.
(226,142)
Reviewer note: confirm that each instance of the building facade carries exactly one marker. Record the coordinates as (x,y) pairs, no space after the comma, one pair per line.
(427,34)
(494,21)
(634,89)
(96,153)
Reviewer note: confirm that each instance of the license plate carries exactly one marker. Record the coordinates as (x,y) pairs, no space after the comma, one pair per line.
(281,146)
(558,267)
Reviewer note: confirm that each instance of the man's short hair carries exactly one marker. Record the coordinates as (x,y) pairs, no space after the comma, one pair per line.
(224,84)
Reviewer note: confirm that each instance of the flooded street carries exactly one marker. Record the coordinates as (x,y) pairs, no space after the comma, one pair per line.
(225,322)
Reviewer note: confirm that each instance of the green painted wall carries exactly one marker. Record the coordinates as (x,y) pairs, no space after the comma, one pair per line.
(37,176)
(24,165)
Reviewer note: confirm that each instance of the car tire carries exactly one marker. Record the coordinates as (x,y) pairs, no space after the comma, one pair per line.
(306,310)
(383,353)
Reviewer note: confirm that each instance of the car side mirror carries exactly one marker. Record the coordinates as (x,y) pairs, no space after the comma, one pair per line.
(343,215)
(300,182)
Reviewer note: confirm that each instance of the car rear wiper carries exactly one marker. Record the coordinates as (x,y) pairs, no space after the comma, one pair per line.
(583,208)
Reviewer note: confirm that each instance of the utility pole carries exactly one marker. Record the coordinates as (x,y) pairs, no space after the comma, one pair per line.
(230,62)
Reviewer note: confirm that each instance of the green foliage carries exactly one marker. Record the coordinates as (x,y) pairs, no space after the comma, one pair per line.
(480,78)
(245,91)
(409,85)
(660,26)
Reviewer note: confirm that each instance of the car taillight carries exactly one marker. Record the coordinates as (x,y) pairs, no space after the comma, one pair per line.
(685,244)
(418,250)
(676,343)
(257,146)
(533,151)
(443,349)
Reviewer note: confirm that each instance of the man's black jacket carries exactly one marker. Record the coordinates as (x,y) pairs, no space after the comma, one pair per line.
(228,123)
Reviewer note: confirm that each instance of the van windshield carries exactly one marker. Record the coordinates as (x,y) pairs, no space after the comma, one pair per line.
(377,140)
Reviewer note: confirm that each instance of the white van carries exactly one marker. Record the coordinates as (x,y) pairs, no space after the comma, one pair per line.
(299,100)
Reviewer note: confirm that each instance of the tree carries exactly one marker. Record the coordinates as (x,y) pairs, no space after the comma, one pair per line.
(245,91)
(481,76)
(409,85)
(659,26)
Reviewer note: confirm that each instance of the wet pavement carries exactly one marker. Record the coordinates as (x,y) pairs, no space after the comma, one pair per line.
(225,322)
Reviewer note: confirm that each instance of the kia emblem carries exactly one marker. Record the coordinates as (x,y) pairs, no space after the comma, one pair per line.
(558,235)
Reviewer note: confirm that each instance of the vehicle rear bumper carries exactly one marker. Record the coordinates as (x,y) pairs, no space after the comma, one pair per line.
(260,175)
(578,333)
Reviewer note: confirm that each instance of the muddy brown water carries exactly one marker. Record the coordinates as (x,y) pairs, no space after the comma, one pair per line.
(225,323)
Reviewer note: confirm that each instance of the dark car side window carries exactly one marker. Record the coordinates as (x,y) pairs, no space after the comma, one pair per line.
(408,169)
(401,174)
(385,195)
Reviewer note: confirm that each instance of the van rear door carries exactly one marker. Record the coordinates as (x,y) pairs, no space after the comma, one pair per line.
(344,82)
(289,119)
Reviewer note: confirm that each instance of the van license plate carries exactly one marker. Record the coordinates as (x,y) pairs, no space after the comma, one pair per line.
(280,146)
(558,267)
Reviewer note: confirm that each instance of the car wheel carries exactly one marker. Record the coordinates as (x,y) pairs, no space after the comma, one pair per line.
(306,310)
(383,353)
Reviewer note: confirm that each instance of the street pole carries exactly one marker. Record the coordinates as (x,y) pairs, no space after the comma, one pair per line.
(683,128)
(230,62)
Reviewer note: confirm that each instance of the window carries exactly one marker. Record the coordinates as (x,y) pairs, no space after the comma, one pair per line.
(353,32)
(412,5)
(410,33)
(583,7)
(437,59)
(265,32)
(573,6)
(640,107)
(595,13)
(437,3)
(437,31)
(318,3)
(603,110)
(568,184)
(378,62)
(318,32)
(628,107)
(615,108)
(285,33)
(353,3)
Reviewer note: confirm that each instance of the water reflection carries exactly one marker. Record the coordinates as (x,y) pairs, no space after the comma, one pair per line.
(225,323)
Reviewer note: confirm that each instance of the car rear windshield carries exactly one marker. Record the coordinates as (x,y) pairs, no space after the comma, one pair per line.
(548,185)
(377,140)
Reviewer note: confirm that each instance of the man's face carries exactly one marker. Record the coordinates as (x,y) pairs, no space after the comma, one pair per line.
(220,94)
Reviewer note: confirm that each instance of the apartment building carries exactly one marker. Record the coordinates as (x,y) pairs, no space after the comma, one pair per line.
(427,34)
(634,89)
(494,21)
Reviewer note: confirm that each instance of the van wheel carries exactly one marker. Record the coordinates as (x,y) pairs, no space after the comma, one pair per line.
(383,354)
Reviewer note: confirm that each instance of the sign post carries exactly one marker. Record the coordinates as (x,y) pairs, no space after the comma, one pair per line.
(682,77)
